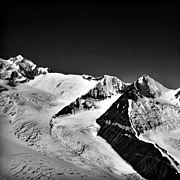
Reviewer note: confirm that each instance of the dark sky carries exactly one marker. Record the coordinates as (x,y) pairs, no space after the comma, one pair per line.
(126,40)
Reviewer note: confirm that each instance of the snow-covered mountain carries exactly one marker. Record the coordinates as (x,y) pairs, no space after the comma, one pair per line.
(140,126)
(103,128)
(106,87)
(19,70)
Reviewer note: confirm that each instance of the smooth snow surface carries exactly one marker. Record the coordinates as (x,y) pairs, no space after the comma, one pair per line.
(169,97)
(64,87)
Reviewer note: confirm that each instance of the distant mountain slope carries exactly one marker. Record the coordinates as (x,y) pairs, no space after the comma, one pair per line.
(19,70)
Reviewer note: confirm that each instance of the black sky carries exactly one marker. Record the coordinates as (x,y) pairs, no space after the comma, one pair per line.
(126,39)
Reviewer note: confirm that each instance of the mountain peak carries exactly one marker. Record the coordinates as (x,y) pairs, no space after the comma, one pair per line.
(19,69)
(150,87)
(144,77)
(19,57)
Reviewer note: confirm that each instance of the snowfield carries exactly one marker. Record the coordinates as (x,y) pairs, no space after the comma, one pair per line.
(65,87)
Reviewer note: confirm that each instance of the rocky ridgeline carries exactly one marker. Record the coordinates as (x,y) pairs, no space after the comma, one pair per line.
(19,70)
(134,112)
(107,87)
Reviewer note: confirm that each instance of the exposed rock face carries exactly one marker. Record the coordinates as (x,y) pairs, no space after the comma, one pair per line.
(120,130)
(149,87)
(19,70)
(177,95)
(149,114)
(105,88)
(143,88)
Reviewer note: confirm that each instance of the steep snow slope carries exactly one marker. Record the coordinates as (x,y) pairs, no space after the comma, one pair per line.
(64,87)
(107,87)
(153,89)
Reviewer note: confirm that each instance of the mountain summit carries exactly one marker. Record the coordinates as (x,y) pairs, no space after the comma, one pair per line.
(19,69)
(62,126)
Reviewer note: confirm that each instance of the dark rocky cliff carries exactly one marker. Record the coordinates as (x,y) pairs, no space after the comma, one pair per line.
(117,130)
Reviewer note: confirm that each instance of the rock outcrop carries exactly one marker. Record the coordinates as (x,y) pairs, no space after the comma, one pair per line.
(134,112)
(106,87)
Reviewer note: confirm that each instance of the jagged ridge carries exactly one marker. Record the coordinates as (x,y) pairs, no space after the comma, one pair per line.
(19,70)
(106,87)
(120,125)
